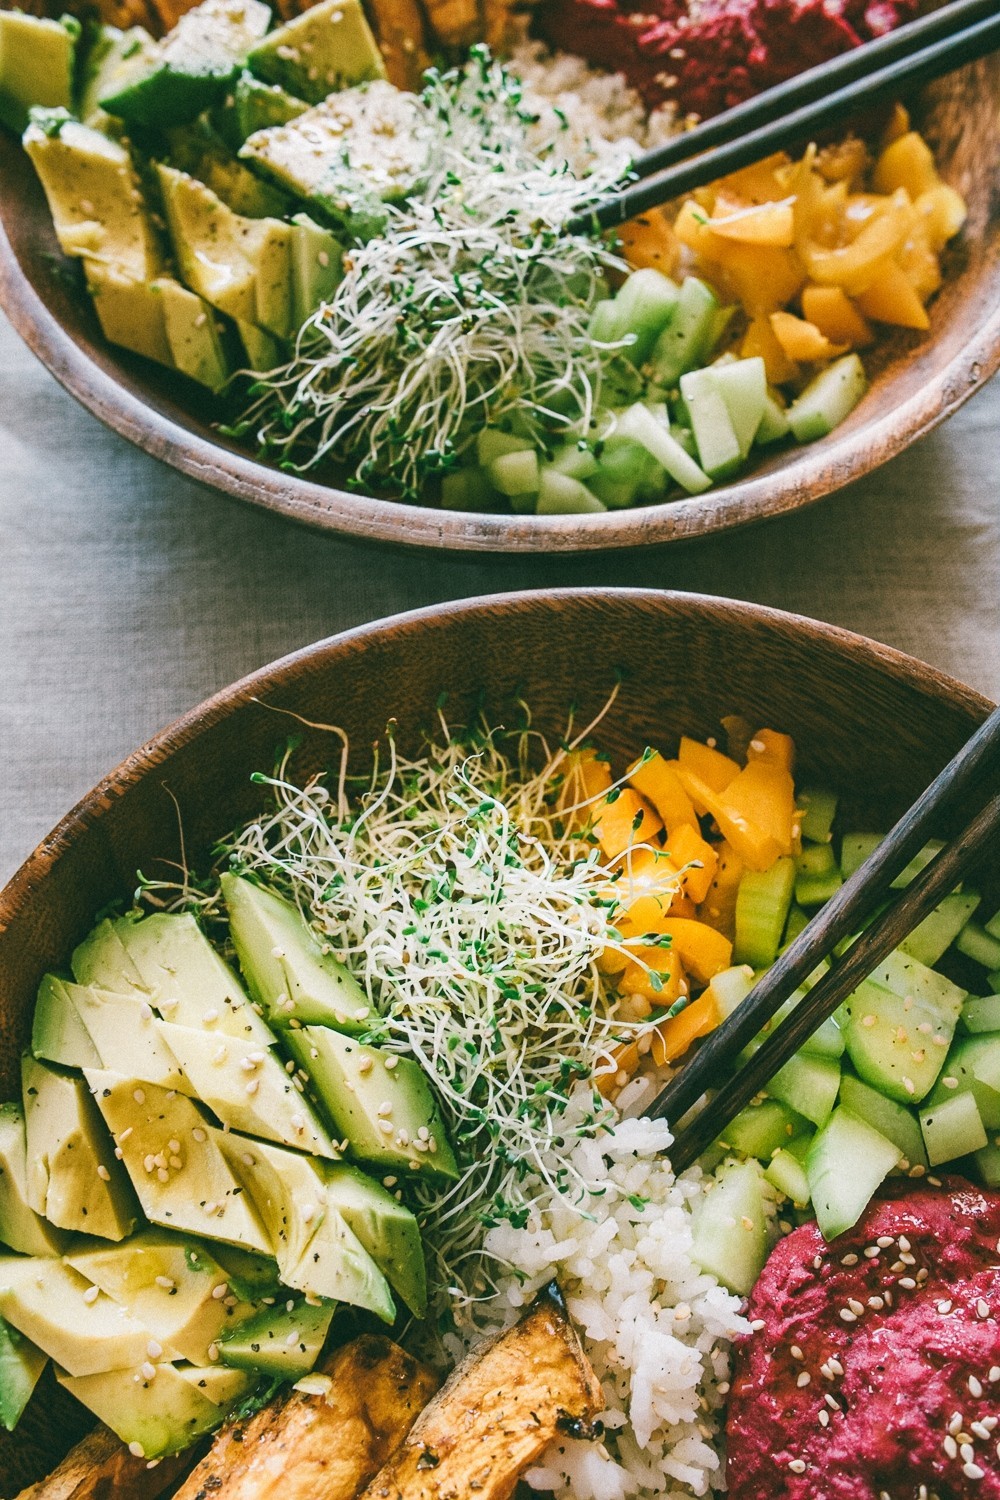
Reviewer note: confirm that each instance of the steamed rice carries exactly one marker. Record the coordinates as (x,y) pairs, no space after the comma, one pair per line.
(656,1328)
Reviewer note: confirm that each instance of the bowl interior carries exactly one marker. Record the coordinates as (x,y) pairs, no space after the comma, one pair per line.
(870,723)
(918,379)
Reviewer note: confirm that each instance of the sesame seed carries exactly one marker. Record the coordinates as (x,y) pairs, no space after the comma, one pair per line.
(849,1260)
(871,1251)
(390,1062)
(165,1282)
(975,1387)
(91,1294)
(385,1108)
(199,1134)
(797,1466)
(308,1213)
(210,1017)
(907,1283)
(154,1349)
(909,1085)
(253,1085)
(944,1308)
(139,1096)
(119,1154)
(385,1126)
(824,1417)
(804,1379)
(831,1403)
(219,1291)
(973,1471)
(147,1371)
(856,1307)
(877,1303)
(868,1020)
(982,1308)
(213,1353)
(365,1064)
(897,1267)
(826,1372)
(994,1374)
(950,1446)
(796,1352)
(848,1316)
(903,1242)
(103,1173)
(137,1450)
(967,1453)
(950,1082)
(757,1325)
(955,1425)
(884,1241)
(124,1134)
(980,1431)
(835,1365)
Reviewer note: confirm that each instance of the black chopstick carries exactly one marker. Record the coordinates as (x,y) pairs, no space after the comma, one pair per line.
(921,896)
(939,56)
(815,83)
(842,916)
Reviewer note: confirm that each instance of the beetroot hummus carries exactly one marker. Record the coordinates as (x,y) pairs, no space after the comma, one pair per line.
(874,1370)
(705,55)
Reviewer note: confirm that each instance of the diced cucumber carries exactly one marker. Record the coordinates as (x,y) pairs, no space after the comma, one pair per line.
(516,473)
(687,339)
(909,977)
(644,305)
(798,921)
(574,461)
(993,925)
(897,1123)
(828,398)
(773,424)
(761,1128)
(817,875)
(819,808)
(855,848)
(787,1174)
(730,1229)
(719,449)
(615,494)
(639,422)
(952,1128)
(980,1015)
(558,495)
(731,987)
(890,1037)
(993,980)
(742,384)
(826,1041)
(467,489)
(491,444)
(936,933)
(762,904)
(973,1067)
(21,1365)
(979,945)
(808,1084)
(847,1162)
(988,1165)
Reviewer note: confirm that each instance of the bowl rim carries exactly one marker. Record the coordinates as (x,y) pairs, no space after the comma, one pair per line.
(821,469)
(901,666)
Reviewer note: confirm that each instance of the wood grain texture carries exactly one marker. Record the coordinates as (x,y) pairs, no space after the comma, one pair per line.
(868,721)
(919,380)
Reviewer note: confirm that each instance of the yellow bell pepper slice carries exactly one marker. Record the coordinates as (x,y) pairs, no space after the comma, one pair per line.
(890,298)
(906,162)
(755,223)
(763,796)
(654,779)
(772,747)
(802,340)
(695,859)
(760,340)
(624,819)
(650,242)
(674,1036)
(835,315)
(718,908)
(710,765)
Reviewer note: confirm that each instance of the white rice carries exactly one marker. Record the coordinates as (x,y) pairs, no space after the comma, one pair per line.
(584,111)
(656,1328)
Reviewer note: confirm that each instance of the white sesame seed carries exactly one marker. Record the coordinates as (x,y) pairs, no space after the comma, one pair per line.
(390,1062)
(884,1241)
(849,1260)
(848,1316)
(803,1380)
(757,1325)
(797,1466)
(796,1352)
(973,1471)
(292,1338)
(385,1126)
(907,1283)
(147,1371)
(824,1417)
(904,1243)
(871,1252)
(982,1308)
(980,1431)
(91,1294)
(154,1349)
(955,1425)
(137,1450)
(139,1096)
(220,1290)
(253,1085)
(385,1108)
(213,1353)
(103,1173)
(876,1302)
(944,1308)
(856,1307)
(868,1020)
(967,1453)
(950,1446)
(835,1365)
(975,1387)
(831,1403)
(199,1134)
(994,1374)
(165,1282)
(211,1016)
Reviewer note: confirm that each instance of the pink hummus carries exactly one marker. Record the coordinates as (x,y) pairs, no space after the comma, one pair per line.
(874,1370)
(705,55)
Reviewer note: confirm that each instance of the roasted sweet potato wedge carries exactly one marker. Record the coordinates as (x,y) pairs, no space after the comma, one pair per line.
(323,1446)
(100,1467)
(500,1409)
(401,35)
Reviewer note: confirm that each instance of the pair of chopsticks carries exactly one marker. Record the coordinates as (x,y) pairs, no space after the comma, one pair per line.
(974,773)
(793,112)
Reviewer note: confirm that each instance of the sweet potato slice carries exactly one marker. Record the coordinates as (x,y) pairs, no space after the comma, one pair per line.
(100,1467)
(323,1446)
(500,1409)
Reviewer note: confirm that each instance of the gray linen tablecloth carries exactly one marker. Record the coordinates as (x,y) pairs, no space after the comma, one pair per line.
(128,594)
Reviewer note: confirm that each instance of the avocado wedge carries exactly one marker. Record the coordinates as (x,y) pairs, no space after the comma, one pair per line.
(328,47)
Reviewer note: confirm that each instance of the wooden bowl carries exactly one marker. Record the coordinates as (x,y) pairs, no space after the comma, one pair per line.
(868,721)
(919,379)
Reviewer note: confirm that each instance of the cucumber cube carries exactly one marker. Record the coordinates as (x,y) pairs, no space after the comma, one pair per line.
(979,1015)
(988,1165)
(979,945)
(973,1067)
(644,305)
(993,925)
(787,1174)
(639,422)
(719,448)
(491,443)
(605,326)
(761,1128)
(467,489)
(730,1239)
(808,1084)
(559,495)
(897,1123)
(742,384)
(885,1044)
(936,933)
(762,904)
(574,461)
(952,1128)
(774,423)
(855,848)
(819,808)
(828,399)
(817,875)
(516,473)
(688,338)
(847,1162)
(731,987)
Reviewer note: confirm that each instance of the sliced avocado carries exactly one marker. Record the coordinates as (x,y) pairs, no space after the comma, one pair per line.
(248,1088)
(255,105)
(57,1309)
(380,1103)
(20,1227)
(114,58)
(94,196)
(252,1277)
(350,155)
(122,1030)
(57,1033)
(326,48)
(158,1415)
(37,58)
(183,977)
(103,959)
(199,1196)
(317,271)
(286,969)
(131,314)
(174,1287)
(21,1364)
(241,266)
(201,151)
(388,1231)
(263,351)
(192,67)
(74,1178)
(195,336)
(278,1341)
(315,1249)
(222,1386)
